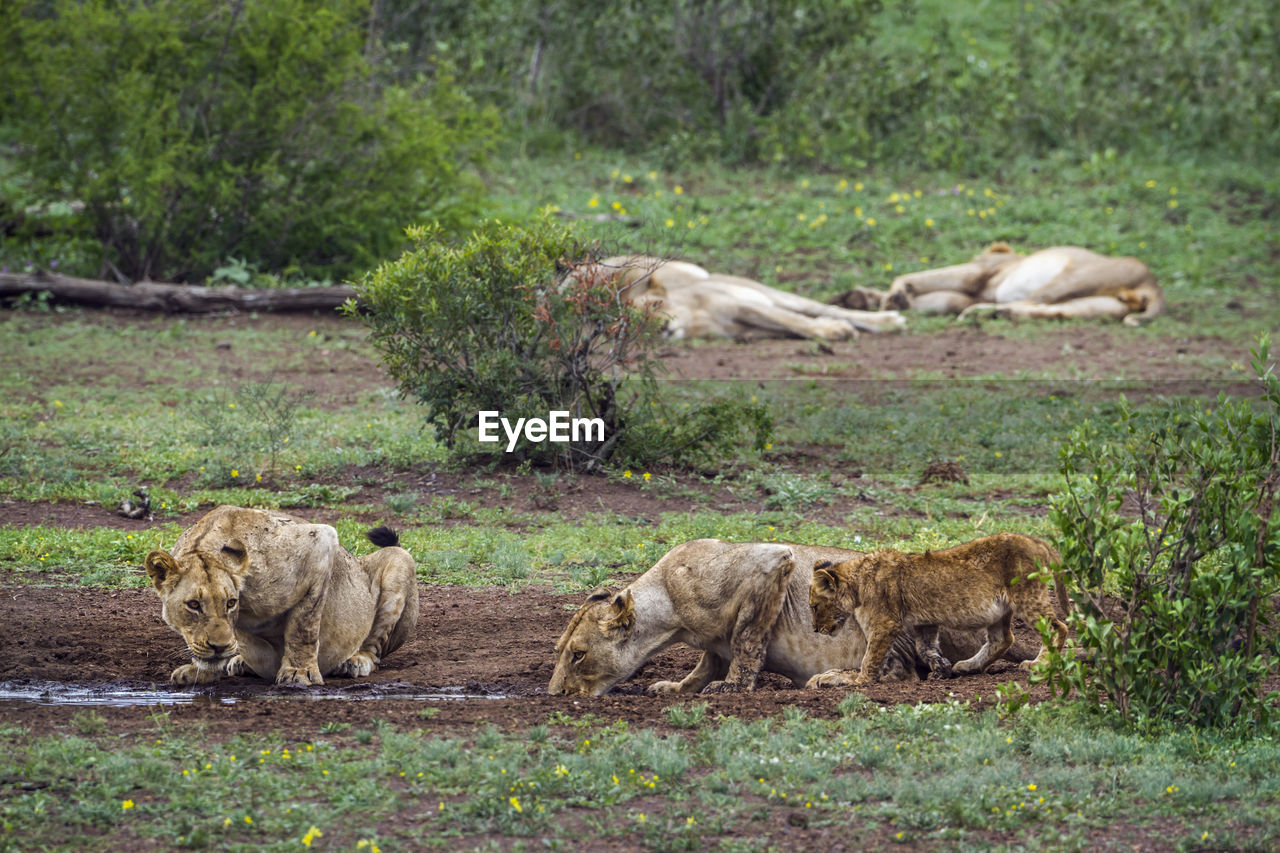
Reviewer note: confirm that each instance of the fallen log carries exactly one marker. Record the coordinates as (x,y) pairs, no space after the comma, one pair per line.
(172,298)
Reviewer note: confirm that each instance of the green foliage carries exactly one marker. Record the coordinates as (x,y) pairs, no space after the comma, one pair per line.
(520,321)
(844,83)
(259,130)
(690,716)
(1173,603)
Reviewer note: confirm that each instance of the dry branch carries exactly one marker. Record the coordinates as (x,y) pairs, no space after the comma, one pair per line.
(172,298)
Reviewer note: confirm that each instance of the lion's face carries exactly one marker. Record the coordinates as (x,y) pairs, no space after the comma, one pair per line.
(200,598)
(594,652)
(831,598)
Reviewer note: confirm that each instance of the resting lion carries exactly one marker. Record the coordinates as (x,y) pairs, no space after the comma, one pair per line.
(698,303)
(744,605)
(265,593)
(1065,281)
(981,584)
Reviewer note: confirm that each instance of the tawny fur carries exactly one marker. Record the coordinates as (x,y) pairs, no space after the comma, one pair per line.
(1061,282)
(266,593)
(980,585)
(745,606)
(698,303)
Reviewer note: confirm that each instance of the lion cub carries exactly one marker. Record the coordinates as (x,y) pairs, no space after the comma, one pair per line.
(980,584)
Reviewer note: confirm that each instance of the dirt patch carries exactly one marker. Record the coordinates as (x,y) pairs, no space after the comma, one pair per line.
(477,641)
(341,365)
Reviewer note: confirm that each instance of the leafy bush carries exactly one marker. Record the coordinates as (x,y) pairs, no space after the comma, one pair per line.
(196,130)
(520,321)
(1176,605)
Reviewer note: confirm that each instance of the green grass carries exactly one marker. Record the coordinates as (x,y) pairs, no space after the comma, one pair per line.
(935,775)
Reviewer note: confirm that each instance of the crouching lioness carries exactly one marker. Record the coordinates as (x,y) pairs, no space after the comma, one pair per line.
(980,585)
(745,606)
(265,593)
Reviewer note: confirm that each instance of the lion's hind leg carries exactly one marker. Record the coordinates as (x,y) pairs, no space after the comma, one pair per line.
(999,639)
(394,584)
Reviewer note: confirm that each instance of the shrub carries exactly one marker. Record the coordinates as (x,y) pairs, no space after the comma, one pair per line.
(1172,604)
(196,130)
(520,321)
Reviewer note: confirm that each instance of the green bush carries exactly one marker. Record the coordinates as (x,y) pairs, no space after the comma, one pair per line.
(1176,605)
(518,320)
(192,131)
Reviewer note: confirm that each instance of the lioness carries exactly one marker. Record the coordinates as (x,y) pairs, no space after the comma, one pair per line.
(273,595)
(698,303)
(1065,281)
(744,605)
(981,584)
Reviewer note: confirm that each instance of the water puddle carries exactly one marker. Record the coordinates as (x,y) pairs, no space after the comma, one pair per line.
(121,695)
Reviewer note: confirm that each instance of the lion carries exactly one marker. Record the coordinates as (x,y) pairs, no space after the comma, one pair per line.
(698,303)
(264,593)
(745,605)
(1061,282)
(981,584)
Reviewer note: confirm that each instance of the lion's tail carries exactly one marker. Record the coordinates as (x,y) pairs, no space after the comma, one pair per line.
(383,537)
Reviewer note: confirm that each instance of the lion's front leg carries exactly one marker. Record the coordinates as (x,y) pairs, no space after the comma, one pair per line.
(300,664)
(879,641)
(753,626)
(710,668)
(930,651)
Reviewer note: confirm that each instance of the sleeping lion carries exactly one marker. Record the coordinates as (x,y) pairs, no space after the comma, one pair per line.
(698,303)
(1065,281)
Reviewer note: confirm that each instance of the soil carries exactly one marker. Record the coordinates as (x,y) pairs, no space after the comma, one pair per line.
(476,642)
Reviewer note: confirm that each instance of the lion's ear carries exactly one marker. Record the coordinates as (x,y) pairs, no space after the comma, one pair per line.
(598,594)
(236,556)
(824,579)
(622,614)
(161,566)
(1001,248)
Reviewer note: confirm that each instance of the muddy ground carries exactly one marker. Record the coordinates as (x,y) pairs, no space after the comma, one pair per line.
(478,642)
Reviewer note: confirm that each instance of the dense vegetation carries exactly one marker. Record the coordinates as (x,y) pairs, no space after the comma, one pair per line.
(295,140)
(163,139)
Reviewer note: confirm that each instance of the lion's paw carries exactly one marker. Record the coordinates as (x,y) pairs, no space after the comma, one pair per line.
(663,688)
(357,666)
(940,668)
(831,678)
(725,687)
(189,674)
(299,676)
(237,666)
